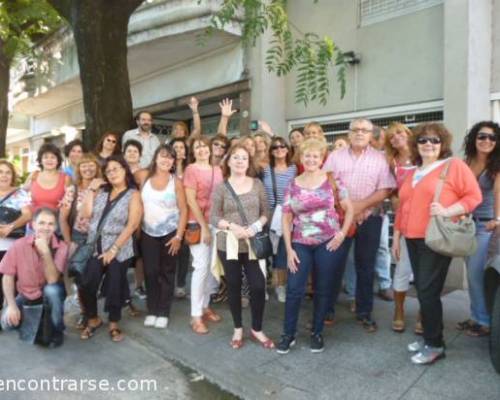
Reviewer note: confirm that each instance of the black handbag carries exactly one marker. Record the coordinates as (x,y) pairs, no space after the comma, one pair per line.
(261,244)
(9,215)
(78,261)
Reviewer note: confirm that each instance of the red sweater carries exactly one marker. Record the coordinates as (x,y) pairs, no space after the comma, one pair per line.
(413,214)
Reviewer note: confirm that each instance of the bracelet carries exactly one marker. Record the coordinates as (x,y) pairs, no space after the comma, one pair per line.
(179,238)
(341,233)
(114,248)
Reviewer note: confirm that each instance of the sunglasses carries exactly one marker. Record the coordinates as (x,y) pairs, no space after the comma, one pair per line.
(221,145)
(426,139)
(278,146)
(486,136)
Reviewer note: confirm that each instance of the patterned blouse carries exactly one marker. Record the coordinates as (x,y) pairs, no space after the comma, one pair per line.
(314,217)
(115,223)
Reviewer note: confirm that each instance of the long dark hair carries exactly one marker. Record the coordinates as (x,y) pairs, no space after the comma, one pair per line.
(186,150)
(129,178)
(470,150)
(162,148)
(279,140)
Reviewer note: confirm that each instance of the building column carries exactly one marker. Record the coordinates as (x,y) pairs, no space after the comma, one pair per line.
(467,76)
(268,90)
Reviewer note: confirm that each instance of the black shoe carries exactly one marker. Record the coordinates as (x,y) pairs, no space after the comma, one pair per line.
(285,343)
(57,340)
(317,344)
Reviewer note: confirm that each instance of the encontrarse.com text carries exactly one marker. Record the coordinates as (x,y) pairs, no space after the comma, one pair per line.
(56,384)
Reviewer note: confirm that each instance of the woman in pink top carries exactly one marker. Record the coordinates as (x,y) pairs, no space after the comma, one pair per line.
(200,180)
(48,186)
(397,150)
(431,149)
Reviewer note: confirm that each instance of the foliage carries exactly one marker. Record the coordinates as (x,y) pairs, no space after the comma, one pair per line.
(313,57)
(24,21)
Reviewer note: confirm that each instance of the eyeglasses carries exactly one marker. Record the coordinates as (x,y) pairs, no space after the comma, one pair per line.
(113,170)
(425,139)
(110,140)
(278,146)
(487,136)
(221,145)
(361,130)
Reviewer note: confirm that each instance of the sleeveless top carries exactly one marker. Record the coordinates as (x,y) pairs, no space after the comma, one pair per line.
(115,223)
(486,208)
(161,213)
(41,197)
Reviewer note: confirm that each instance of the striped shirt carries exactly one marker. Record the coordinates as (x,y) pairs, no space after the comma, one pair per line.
(283,179)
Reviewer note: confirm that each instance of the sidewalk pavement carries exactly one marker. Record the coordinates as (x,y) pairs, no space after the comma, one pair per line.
(354,365)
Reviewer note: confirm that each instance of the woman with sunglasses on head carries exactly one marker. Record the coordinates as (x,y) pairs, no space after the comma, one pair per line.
(233,231)
(431,151)
(108,146)
(200,180)
(482,154)
(114,208)
(276,177)
(165,216)
(397,151)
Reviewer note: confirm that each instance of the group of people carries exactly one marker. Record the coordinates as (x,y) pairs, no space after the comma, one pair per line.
(202,202)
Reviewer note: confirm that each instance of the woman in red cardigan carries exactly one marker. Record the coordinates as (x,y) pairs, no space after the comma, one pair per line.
(431,150)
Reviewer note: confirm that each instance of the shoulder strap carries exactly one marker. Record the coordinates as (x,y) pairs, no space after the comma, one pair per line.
(238,202)
(107,210)
(6,197)
(442,178)
(72,211)
(275,191)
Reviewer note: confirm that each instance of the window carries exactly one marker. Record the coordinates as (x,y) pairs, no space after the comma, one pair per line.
(373,11)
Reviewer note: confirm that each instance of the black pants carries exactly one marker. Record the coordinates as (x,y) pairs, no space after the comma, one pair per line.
(115,287)
(159,273)
(429,271)
(182,265)
(256,281)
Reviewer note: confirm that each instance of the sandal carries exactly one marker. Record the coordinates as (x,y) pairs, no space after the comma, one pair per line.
(89,331)
(199,327)
(211,316)
(267,344)
(116,335)
(236,343)
(132,311)
(477,330)
(464,325)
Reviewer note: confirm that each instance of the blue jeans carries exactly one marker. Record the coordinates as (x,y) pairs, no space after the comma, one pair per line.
(326,266)
(366,244)
(475,276)
(53,304)
(382,263)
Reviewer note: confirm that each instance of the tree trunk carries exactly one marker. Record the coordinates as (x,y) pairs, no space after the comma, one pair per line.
(100,33)
(4,97)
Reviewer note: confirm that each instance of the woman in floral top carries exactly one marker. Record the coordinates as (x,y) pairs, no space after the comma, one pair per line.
(74,227)
(315,239)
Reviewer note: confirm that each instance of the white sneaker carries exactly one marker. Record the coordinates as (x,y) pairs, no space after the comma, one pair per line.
(281,294)
(150,321)
(161,322)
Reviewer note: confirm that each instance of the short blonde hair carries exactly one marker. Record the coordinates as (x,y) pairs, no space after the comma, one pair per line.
(313,124)
(313,145)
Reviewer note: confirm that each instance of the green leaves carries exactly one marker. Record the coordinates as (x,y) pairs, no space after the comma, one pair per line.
(314,58)
(24,21)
